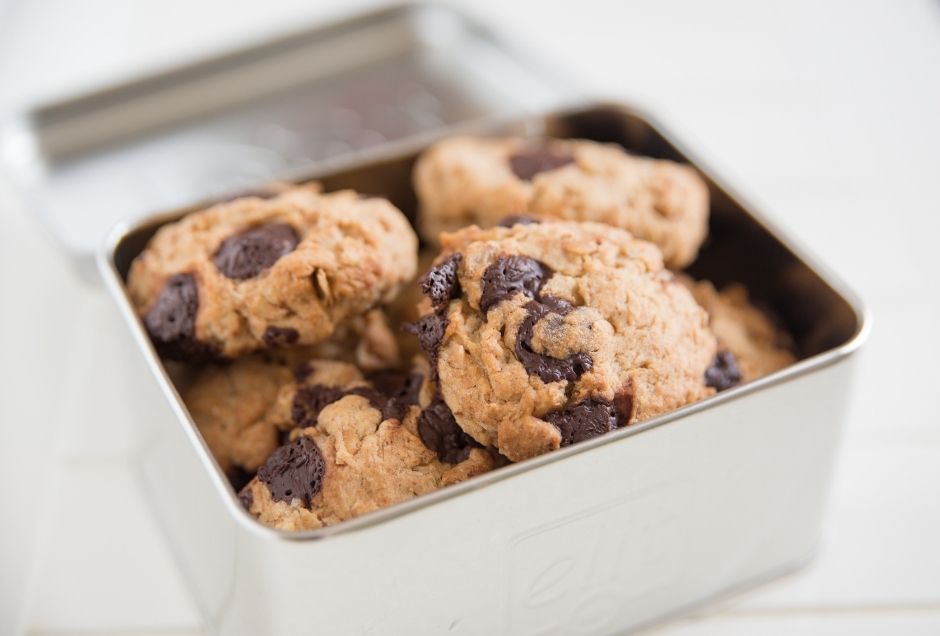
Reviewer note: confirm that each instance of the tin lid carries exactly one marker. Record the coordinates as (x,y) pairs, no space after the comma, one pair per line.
(225,124)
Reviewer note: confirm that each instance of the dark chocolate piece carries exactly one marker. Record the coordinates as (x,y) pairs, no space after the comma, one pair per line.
(724,372)
(430,332)
(239,477)
(530,162)
(249,253)
(509,275)
(294,471)
(583,420)
(440,432)
(623,404)
(400,389)
(441,284)
(547,368)
(310,400)
(171,322)
(280,336)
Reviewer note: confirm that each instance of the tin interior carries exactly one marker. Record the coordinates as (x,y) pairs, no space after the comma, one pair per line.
(279,107)
(826,323)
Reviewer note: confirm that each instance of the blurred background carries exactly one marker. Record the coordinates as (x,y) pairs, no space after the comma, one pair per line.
(827,114)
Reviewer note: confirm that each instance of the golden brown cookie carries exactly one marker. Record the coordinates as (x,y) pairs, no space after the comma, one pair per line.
(360,444)
(547,334)
(232,404)
(257,273)
(465,180)
(759,347)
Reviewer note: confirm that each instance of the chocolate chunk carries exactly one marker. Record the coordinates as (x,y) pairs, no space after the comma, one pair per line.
(395,409)
(509,275)
(724,372)
(440,432)
(623,404)
(441,283)
(518,219)
(389,407)
(396,383)
(547,368)
(239,477)
(310,400)
(430,332)
(294,471)
(249,253)
(245,496)
(528,163)
(400,389)
(280,336)
(171,322)
(584,420)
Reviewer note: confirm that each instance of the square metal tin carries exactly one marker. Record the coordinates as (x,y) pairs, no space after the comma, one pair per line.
(600,537)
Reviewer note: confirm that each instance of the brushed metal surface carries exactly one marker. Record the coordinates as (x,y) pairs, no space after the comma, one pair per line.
(600,537)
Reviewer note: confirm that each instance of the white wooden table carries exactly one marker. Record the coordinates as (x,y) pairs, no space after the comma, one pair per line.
(827,114)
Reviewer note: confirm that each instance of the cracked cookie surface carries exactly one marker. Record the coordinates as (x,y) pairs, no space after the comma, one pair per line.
(357,443)
(466,180)
(546,334)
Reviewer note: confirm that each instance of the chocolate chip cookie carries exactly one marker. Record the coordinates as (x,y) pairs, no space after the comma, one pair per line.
(463,181)
(265,273)
(757,344)
(544,335)
(359,443)
(232,406)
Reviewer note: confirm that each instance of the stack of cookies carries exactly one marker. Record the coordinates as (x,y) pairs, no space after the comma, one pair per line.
(332,379)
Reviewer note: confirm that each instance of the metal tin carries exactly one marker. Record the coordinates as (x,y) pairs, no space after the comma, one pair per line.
(215,127)
(597,538)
